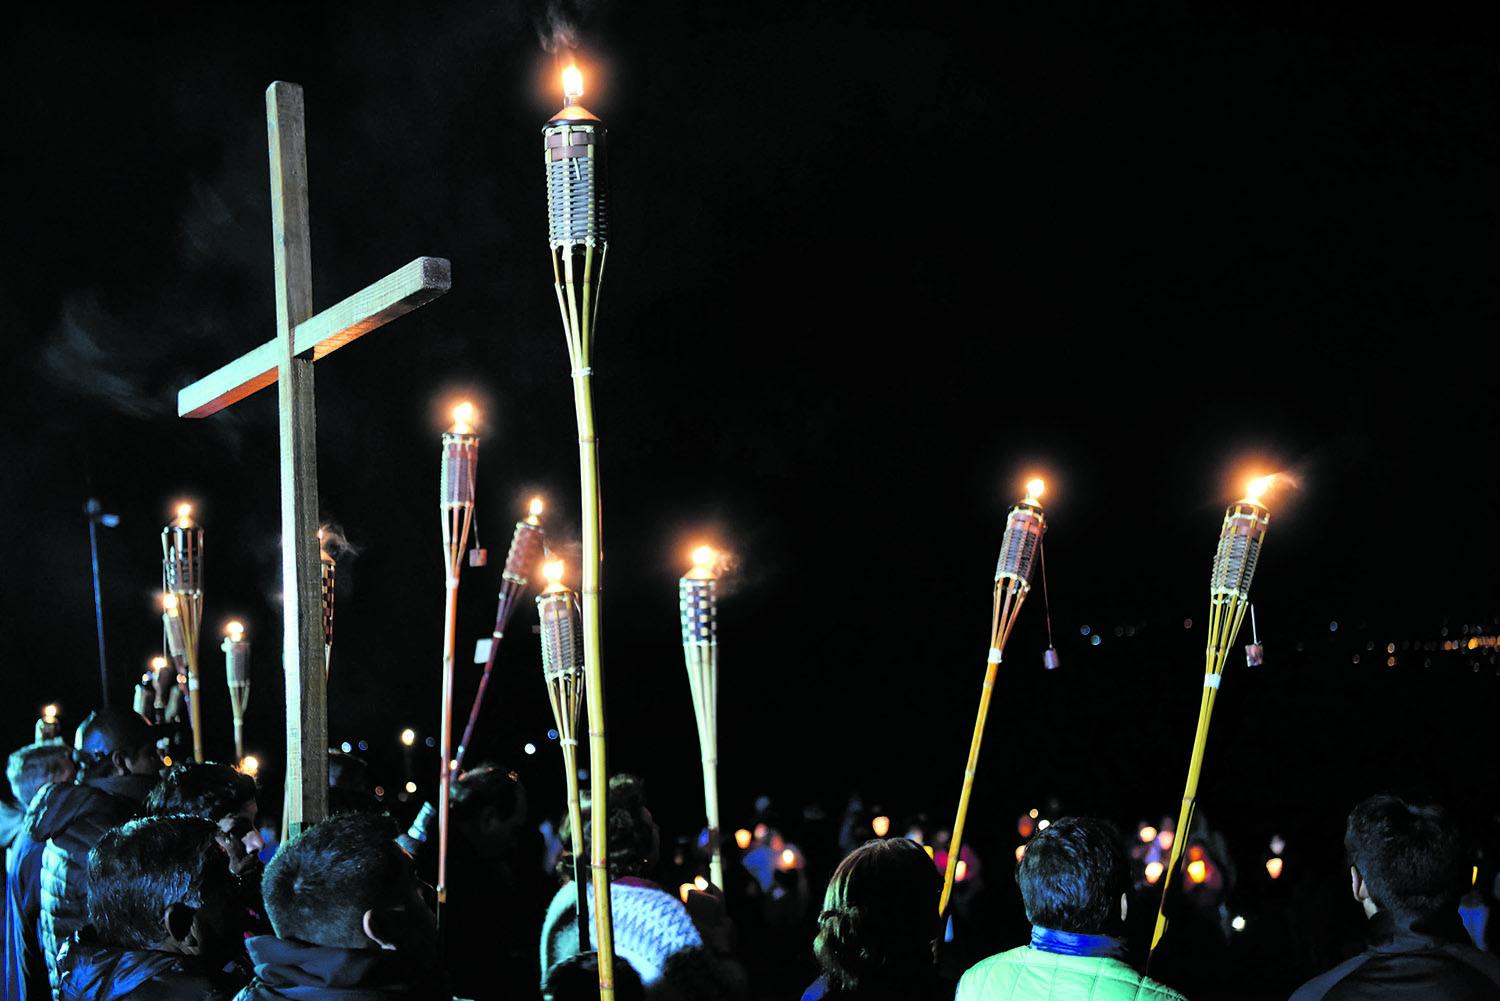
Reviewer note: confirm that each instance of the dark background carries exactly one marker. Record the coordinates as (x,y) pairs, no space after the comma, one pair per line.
(871,266)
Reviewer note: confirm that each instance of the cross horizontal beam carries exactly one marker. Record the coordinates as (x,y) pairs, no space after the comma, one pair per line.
(396,294)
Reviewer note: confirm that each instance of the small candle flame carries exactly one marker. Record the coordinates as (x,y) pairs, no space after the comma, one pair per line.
(158,663)
(552,572)
(572,82)
(184,513)
(1034,490)
(537,507)
(235,631)
(463,418)
(49,714)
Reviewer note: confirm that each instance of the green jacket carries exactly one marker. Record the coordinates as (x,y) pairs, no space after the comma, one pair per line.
(1028,974)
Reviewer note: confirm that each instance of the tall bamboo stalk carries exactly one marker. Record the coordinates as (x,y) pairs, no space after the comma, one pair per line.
(562,670)
(1238,552)
(1024,525)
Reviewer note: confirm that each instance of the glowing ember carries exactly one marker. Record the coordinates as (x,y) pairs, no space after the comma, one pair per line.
(742,838)
(1034,489)
(1197,870)
(1274,865)
(235,631)
(572,81)
(1153,872)
(881,826)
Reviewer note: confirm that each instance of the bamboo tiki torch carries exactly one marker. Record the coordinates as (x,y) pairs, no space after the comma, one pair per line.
(1240,540)
(1024,525)
(328,566)
(573,153)
(456,501)
(162,676)
(562,670)
(526,545)
(237,669)
(697,601)
(182,577)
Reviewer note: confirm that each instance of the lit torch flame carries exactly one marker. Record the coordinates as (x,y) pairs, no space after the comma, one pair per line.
(169,603)
(158,663)
(1034,490)
(572,82)
(1257,488)
(552,572)
(537,507)
(49,714)
(235,631)
(250,765)
(704,558)
(184,513)
(463,418)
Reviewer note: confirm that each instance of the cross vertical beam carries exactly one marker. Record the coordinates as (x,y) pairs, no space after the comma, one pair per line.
(302,616)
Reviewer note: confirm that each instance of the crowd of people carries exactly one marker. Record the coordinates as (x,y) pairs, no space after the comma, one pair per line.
(128,879)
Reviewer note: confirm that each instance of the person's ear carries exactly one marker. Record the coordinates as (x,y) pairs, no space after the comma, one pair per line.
(379,926)
(121,762)
(1124,906)
(177,919)
(1357,885)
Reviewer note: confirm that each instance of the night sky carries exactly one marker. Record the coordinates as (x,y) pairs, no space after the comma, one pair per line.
(870,267)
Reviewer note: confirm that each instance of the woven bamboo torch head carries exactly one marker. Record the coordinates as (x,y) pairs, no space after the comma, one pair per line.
(573,142)
(697,599)
(557,609)
(460,456)
(236,647)
(1024,525)
(526,545)
(182,552)
(1240,538)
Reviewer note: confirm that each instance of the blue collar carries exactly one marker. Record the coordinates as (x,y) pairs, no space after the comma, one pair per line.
(1067,943)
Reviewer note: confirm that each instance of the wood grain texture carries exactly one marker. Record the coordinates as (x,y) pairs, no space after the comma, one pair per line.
(398,293)
(301,570)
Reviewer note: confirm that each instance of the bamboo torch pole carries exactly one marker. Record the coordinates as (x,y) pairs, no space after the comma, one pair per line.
(562,670)
(1024,526)
(237,669)
(697,599)
(456,502)
(574,157)
(182,574)
(1240,539)
(526,545)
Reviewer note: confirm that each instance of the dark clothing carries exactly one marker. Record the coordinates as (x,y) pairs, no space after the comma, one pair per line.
(927,989)
(1410,958)
(72,819)
(25,966)
(294,970)
(94,972)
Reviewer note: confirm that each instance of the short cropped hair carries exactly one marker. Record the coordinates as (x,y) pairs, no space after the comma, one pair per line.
(141,868)
(201,789)
(1411,856)
(320,884)
(1072,876)
(879,917)
(35,765)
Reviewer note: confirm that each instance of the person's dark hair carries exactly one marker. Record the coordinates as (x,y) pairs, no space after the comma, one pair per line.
(320,884)
(577,979)
(482,788)
(201,789)
(879,917)
(35,765)
(141,868)
(1072,876)
(632,832)
(349,771)
(107,730)
(1410,855)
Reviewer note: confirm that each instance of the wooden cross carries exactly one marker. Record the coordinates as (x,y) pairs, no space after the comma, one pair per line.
(301,339)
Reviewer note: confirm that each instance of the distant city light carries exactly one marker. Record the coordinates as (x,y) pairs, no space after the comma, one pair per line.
(411,787)
(529,748)
(408,736)
(1238,924)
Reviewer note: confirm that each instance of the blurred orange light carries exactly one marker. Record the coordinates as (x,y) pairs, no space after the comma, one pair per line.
(184,511)
(572,81)
(463,418)
(235,631)
(1034,490)
(250,765)
(742,838)
(684,890)
(537,507)
(961,873)
(700,883)
(1153,872)
(788,858)
(552,570)
(1195,853)
(1164,840)
(1020,853)
(1025,827)
(1197,870)
(1148,835)
(881,826)
(1274,865)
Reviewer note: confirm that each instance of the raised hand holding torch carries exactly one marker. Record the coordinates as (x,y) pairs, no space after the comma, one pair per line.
(526,545)
(456,504)
(1024,525)
(1240,539)
(562,670)
(237,669)
(697,601)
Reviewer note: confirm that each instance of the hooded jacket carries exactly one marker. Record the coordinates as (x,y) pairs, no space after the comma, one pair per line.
(90,971)
(288,969)
(1421,957)
(71,819)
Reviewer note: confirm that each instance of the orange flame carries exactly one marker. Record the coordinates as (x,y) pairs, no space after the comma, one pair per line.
(572,82)
(1034,490)
(537,507)
(1197,870)
(235,631)
(463,418)
(552,572)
